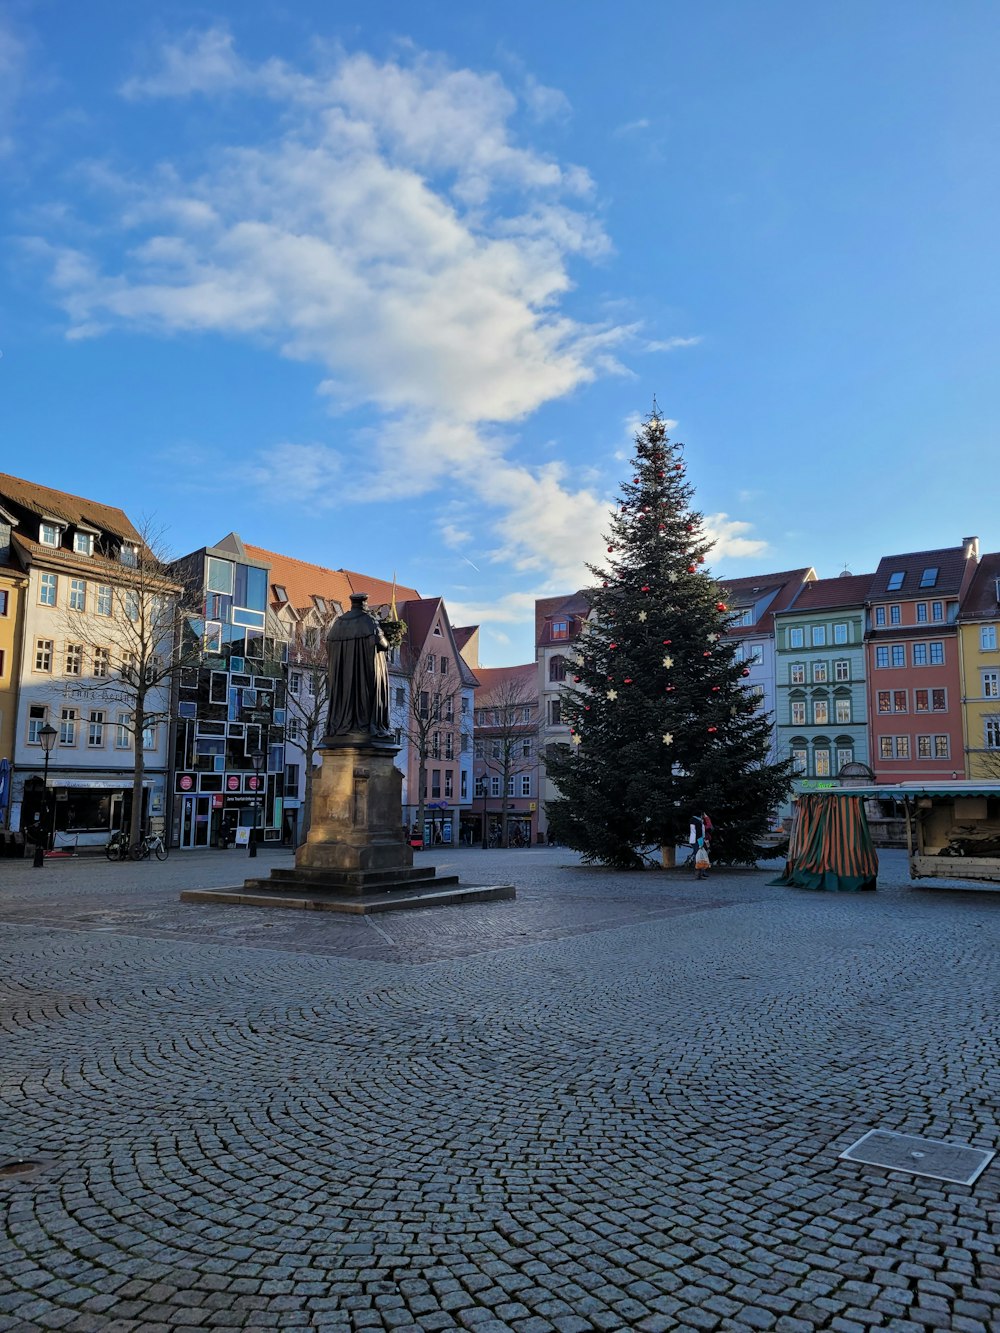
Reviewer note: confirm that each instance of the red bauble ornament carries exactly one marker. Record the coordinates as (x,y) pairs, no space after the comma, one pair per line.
(713,728)
(576,680)
(666,641)
(678,467)
(715,689)
(721,606)
(692,569)
(611,678)
(605,585)
(636,480)
(701,560)
(645,587)
(706,654)
(586,708)
(745,672)
(610,548)
(663,527)
(627,680)
(690,527)
(661,474)
(670,689)
(612,645)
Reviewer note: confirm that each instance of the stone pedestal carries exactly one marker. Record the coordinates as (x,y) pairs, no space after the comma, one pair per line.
(357,857)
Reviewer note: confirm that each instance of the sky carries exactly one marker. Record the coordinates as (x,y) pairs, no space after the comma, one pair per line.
(387,286)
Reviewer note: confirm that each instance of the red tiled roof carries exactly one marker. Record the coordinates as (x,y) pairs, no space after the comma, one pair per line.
(492,678)
(547,608)
(951,562)
(303,581)
(72,509)
(783,587)
(824,594)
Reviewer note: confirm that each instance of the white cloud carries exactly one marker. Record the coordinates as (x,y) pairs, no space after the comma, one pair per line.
(12,67)
(726,536)
(672,344)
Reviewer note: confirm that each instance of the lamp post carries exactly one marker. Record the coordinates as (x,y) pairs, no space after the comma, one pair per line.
(257,758)
(47,735)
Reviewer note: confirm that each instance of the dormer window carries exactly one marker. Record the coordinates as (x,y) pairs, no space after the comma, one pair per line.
(929,577)
(560,629)
(83,543)
(129,555)
(896,580)
(320,605)
(279,592)
(50,534)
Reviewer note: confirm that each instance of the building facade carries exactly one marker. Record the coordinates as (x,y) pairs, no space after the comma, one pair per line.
(979,657)
(505,756)
(560,623)
(77,560)
(913,669)
(821,716)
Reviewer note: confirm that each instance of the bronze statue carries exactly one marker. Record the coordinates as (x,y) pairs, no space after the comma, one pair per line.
(358,675)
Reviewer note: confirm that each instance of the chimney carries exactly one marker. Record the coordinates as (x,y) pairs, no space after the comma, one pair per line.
(970,548)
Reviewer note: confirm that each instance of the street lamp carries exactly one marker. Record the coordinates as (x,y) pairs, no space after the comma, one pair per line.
(257,758)
(47,735)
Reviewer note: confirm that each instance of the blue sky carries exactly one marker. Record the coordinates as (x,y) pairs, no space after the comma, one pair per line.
(384,285)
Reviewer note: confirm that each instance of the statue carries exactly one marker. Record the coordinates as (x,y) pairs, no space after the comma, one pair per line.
(358,675)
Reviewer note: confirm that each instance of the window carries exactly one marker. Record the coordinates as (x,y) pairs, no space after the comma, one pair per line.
(796,638)
(555,712)
(902,747)
(560,629)
(67,726)
(449,783)
(477,750)
(436,783)
(430,664)
(800,761)
(753,654)
(885,747)
(923,747)
(929,577)
(742,616)
(845,755)
(991,733)
(123,732)
(2,662)
(939,701)
(898,654)
(822,763)
(884,701)
(294,682)
(798,713)
(942,747)
(895,615)
(149,736)
(4,596)
(510,785)
(464,785)
(83,543)
(43,654)
(840,633)
(219,575)
(896,580)
(95,728)
(293,729)
(991,684)
(526,749)
(987,638)
(320,605)
(480,787)
(937,653)
(36,720)
(921,701)
(842,670)
(74,659)
(464,743)
(921,613)
(50,534)
(436,745)
(445,665)
(937,611)
(899,701)
(104,599)
(78,594)
(129,555)
(525,784)
(797,673)
(821,712)
(819,673)
(280,595)
(496,750)
(102,662)
(449,745)
(842,710)
(557,668)
(425,705)
(291,780)
(880,615)
(818,636)
(881,657)
(920,654)
(311,638)
(48,590)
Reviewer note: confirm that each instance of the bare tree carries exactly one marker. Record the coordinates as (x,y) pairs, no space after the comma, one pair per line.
(430,719)
(138,639)
(307,697)
(508,732)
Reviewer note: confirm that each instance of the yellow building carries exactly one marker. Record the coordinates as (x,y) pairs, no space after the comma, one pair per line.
(12,585)
(979,658)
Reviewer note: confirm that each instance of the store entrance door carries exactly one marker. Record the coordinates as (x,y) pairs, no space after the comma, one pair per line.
(195,820)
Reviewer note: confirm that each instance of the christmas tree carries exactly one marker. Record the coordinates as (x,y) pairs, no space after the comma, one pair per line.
(663,724)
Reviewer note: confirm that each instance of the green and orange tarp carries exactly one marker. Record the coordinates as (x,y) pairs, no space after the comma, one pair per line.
(830,846)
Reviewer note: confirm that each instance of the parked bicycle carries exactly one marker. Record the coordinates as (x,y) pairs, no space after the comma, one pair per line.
(152,842)
(116,848)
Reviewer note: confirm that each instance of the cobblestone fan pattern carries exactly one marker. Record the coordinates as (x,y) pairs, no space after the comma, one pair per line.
(615,1103)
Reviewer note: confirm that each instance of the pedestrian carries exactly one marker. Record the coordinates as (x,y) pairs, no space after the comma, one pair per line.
(702,864)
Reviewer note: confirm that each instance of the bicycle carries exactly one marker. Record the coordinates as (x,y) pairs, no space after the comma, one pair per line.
(117,847)
(151,842)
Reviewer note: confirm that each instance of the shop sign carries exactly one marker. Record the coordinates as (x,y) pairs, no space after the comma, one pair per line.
(185,782)
(233,782)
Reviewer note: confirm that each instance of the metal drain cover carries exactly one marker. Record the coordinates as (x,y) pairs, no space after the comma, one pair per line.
(19,1168)
(920,1157)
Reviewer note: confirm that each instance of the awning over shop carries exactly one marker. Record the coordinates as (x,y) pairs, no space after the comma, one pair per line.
(901,791)
(830,846)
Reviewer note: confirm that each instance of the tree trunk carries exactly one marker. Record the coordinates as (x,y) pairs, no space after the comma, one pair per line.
(139,769)
(422,784)
(668,856)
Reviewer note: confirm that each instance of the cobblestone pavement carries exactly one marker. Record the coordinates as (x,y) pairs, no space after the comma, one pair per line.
(615,1103)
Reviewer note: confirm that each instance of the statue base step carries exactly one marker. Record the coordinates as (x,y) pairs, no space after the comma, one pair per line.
(296,893)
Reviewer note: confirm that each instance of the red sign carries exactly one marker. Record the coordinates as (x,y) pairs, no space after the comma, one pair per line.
(217,801)
(253,783)
(185,782)
(233,783)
